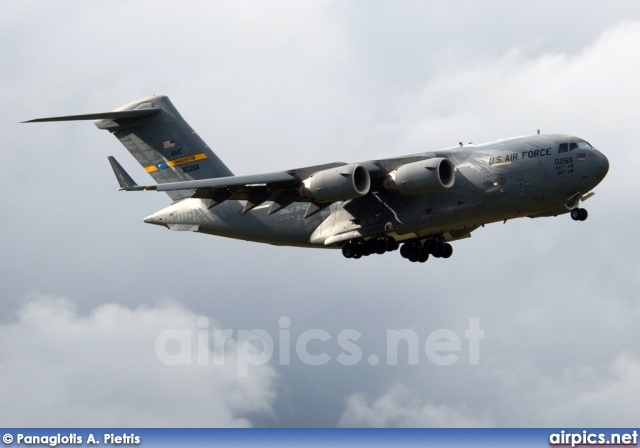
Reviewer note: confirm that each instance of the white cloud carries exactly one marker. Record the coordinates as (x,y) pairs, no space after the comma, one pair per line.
(578,395)
(60,368)
(399,407)
(589,92)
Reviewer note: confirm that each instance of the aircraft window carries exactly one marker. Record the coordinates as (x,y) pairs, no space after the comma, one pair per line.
(584,145)
(563,147)
(572,146)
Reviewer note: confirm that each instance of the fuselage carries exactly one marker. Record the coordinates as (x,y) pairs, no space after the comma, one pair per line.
(532,176)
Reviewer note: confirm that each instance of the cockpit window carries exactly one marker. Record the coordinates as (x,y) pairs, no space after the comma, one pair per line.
(565,147)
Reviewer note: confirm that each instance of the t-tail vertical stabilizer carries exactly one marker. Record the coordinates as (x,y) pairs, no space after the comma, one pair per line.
(165,145)
(161,140)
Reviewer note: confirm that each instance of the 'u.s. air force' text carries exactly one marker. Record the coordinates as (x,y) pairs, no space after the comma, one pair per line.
(532,154)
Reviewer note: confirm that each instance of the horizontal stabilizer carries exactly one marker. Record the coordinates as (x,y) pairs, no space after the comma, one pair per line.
(115,115)
(125,181)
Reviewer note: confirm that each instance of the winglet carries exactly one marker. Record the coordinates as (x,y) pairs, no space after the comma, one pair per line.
(125,181)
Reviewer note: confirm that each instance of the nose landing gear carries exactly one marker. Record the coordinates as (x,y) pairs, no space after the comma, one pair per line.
(579,214)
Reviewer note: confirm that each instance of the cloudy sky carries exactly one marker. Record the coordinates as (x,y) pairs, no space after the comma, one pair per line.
(89,290)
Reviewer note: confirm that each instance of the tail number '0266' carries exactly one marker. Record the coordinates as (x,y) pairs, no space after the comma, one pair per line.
(188,169)
(563,160)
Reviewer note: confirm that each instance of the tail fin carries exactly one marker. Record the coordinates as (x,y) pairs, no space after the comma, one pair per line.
(164,144)
(161,141)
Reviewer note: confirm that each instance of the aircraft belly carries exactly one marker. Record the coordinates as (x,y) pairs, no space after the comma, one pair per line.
(287,227)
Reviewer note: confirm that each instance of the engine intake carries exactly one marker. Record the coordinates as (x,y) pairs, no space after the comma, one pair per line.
(423,177)
(337,184)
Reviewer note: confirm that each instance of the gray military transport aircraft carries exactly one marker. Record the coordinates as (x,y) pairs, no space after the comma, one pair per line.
(422,201)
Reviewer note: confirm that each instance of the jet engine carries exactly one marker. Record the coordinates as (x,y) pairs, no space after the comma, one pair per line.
(337,184)
(425,176)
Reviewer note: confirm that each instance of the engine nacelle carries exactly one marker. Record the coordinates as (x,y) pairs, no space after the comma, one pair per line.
(425,176)
(337,184)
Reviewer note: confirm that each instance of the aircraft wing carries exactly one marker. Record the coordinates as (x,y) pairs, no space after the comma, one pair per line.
(255,189)
(282,188)
(318,185)
(281,178)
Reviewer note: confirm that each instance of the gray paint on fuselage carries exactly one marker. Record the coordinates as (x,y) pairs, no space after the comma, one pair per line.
(489,185)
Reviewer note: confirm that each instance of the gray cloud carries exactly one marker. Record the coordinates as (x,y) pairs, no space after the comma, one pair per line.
(398,407)
(581,395)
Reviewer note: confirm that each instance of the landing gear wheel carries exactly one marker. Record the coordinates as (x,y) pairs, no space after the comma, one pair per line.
(392,244)
(348,250)
(358,251)
(371,246)
(424,255)
(405,250)
(579,214)
(438,252)
(430,245)
(448,250)
(575,214)
(583,214)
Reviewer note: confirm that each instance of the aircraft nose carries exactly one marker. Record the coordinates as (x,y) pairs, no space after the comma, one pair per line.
(599,164)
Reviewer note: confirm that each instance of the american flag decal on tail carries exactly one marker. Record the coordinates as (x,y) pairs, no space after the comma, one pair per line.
(168,144)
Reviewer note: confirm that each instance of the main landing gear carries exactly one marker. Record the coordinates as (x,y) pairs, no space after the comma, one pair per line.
(414,251)
(359,248)
(419,251)
(579,214)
